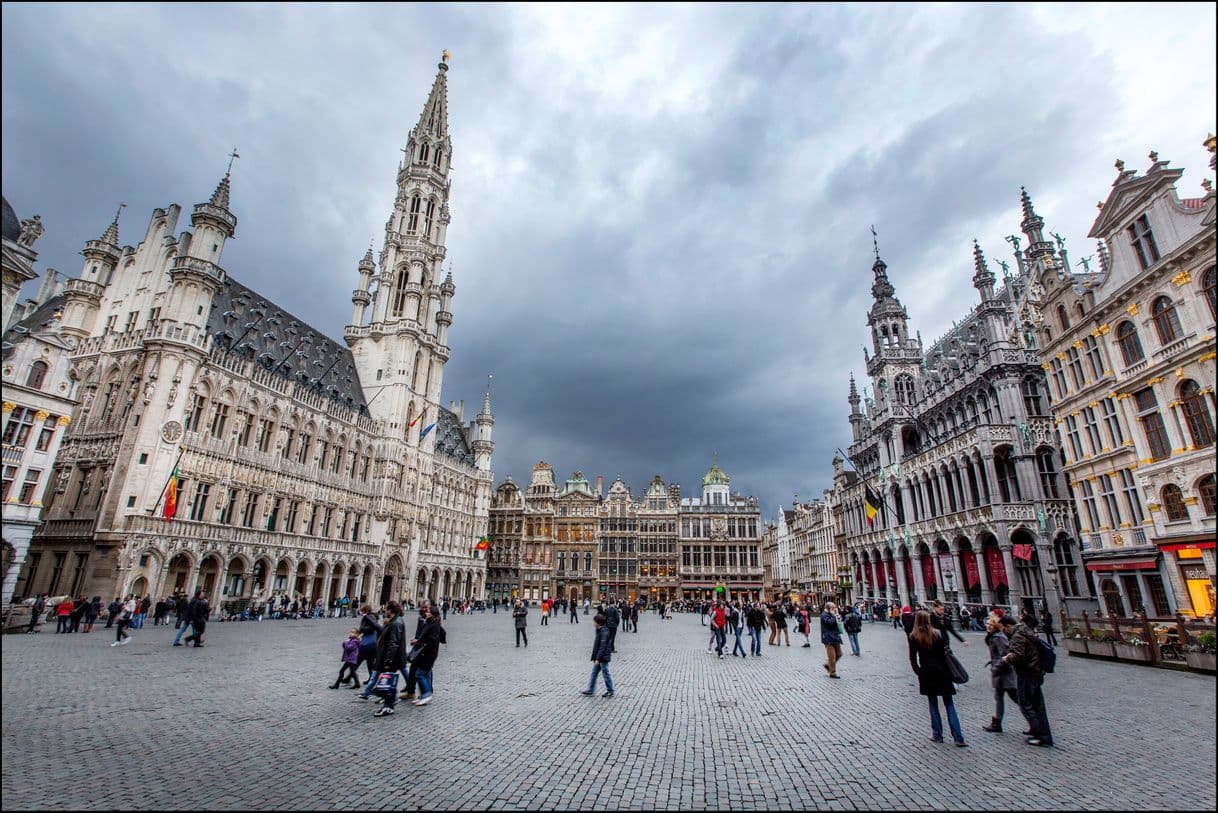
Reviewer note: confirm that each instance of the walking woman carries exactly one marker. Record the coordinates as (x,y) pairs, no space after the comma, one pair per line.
(780,626)
(369,631)
(124,620)
(928,657)
(1002,674)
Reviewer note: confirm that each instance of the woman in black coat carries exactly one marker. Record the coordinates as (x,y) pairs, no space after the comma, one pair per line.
(369,632)
(427,648)
(928,658)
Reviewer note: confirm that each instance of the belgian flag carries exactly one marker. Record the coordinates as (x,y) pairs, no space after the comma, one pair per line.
(171,496)
(871,505)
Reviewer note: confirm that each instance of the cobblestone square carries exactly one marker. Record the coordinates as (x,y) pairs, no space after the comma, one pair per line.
(248,722)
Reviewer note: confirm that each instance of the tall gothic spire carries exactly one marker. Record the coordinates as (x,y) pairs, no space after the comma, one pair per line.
(1032,223)
(433,121)
(110,235)
(983,280)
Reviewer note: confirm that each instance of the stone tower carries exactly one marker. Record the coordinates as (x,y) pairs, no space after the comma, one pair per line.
(400,354)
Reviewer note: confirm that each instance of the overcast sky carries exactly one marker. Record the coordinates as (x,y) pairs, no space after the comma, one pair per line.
(660,215)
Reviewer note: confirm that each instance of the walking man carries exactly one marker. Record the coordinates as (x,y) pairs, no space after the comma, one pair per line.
(1024,655)
(40,606)
(831,638)
(719,624)
(574,608)
(198,619)
(613,617)
(854,625)
(756,621)
(601,655)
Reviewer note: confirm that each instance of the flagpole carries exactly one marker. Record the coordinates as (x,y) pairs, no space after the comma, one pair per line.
(883,497)
(165,487)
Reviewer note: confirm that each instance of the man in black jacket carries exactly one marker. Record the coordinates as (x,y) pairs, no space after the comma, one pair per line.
(412,674)
(601,655)
(390,653)
(941,621)
(613,617)
(427,648)
(1024,655)
(186,611)
(198,618)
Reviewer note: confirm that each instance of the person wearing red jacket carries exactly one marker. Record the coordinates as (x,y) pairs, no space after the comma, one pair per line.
(63,615)
(719,625)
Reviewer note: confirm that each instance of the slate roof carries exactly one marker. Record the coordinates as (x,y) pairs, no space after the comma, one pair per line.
(12,226)
(258,329)
(450,438)
(41,315)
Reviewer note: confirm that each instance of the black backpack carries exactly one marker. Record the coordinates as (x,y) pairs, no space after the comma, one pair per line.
(1046,654)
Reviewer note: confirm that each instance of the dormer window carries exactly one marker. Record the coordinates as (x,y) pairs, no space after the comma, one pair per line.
(1143,242)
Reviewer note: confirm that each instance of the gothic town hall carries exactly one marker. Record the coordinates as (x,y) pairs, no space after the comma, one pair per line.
(304,466)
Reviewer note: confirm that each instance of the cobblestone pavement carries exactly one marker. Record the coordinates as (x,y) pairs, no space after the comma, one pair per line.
(247,722)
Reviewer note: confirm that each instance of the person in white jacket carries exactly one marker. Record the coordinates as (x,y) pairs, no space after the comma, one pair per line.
(128,613)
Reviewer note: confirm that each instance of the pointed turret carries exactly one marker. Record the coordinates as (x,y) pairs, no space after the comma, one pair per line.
(857,419)
(433,121)
(360,297)
(213,222)
(983,280)
(1039,255)
(219,198)
(101,255)
(483,447)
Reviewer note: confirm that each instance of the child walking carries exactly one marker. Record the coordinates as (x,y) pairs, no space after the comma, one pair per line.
(350,661)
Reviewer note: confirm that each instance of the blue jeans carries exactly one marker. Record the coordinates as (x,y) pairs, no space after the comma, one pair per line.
(182,631)
(720,639)
(368,686)
(738,646)
(936,722)
(854,641)
(755,643)
(597,669)
(423,676)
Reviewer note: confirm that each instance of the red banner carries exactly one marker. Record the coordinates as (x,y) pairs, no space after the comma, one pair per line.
(996,567)
(1022,552)
(871,568)
(909,579)
(1189,546)
(858,573)
(971,573)
(928,571)
(892,573)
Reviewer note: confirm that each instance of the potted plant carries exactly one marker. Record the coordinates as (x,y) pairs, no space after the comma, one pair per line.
(1074,641)
(1100,645)
(1200,656)
(1134,649)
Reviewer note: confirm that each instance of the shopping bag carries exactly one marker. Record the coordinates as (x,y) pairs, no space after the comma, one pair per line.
(386,684)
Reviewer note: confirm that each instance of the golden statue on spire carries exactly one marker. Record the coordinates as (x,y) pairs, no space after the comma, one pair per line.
(445,55)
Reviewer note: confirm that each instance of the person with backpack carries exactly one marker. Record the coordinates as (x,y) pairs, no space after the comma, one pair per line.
(854,625)
(1025,655)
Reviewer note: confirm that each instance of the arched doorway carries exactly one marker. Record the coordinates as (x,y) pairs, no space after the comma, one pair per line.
(389,585)
(258,577)
(420,585)
(209,574)
(336,582)
(302,578)
(364,586)
(996,570)
(178,577)
(319,581)
(1027,569)
(970,579)
(139,588)
(282,571)
(235,588)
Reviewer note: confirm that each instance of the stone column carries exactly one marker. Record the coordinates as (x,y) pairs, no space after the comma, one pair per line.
(919,581)
(983,574)
(939,586)
(902,586)
(1013,590)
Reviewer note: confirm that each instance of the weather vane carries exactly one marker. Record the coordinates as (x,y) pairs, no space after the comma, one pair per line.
(875,242)
(231,157)
(119,211)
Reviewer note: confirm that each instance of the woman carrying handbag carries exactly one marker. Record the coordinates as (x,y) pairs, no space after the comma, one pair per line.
(928,656)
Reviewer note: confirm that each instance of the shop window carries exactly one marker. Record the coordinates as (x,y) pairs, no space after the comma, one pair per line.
(1158,595)
(1112,598)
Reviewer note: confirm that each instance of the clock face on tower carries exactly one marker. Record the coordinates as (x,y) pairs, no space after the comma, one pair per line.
(171,431)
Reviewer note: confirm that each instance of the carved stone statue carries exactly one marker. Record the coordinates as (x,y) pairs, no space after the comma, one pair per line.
(31,230)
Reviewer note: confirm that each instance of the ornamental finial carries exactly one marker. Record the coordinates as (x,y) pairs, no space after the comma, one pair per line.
(445,55)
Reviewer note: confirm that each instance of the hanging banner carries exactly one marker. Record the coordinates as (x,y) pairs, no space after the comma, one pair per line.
(947,565)
(892,573)
(858,574)
(971,574)
(928,571)
(996,568)
(909,579)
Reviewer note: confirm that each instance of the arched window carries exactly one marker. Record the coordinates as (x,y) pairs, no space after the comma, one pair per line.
(1047,471)
(423,152)
(1173,503)
(412,222)
(1205,490)
(1008,482)
(1063,554)
(1207,286)
(399,291)
(428,217)
(1033,400)
(38,374)
(1196,414)
(1062,318)
(1167,323)
(435,159)
(904,387)
(1131,345)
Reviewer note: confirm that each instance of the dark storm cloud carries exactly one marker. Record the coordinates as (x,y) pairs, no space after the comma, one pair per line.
(661,215)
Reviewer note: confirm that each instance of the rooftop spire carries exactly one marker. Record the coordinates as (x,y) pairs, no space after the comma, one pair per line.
(1032,223)
(983,280)
(486,401)
(881,288)
(111,234)
(434,119)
